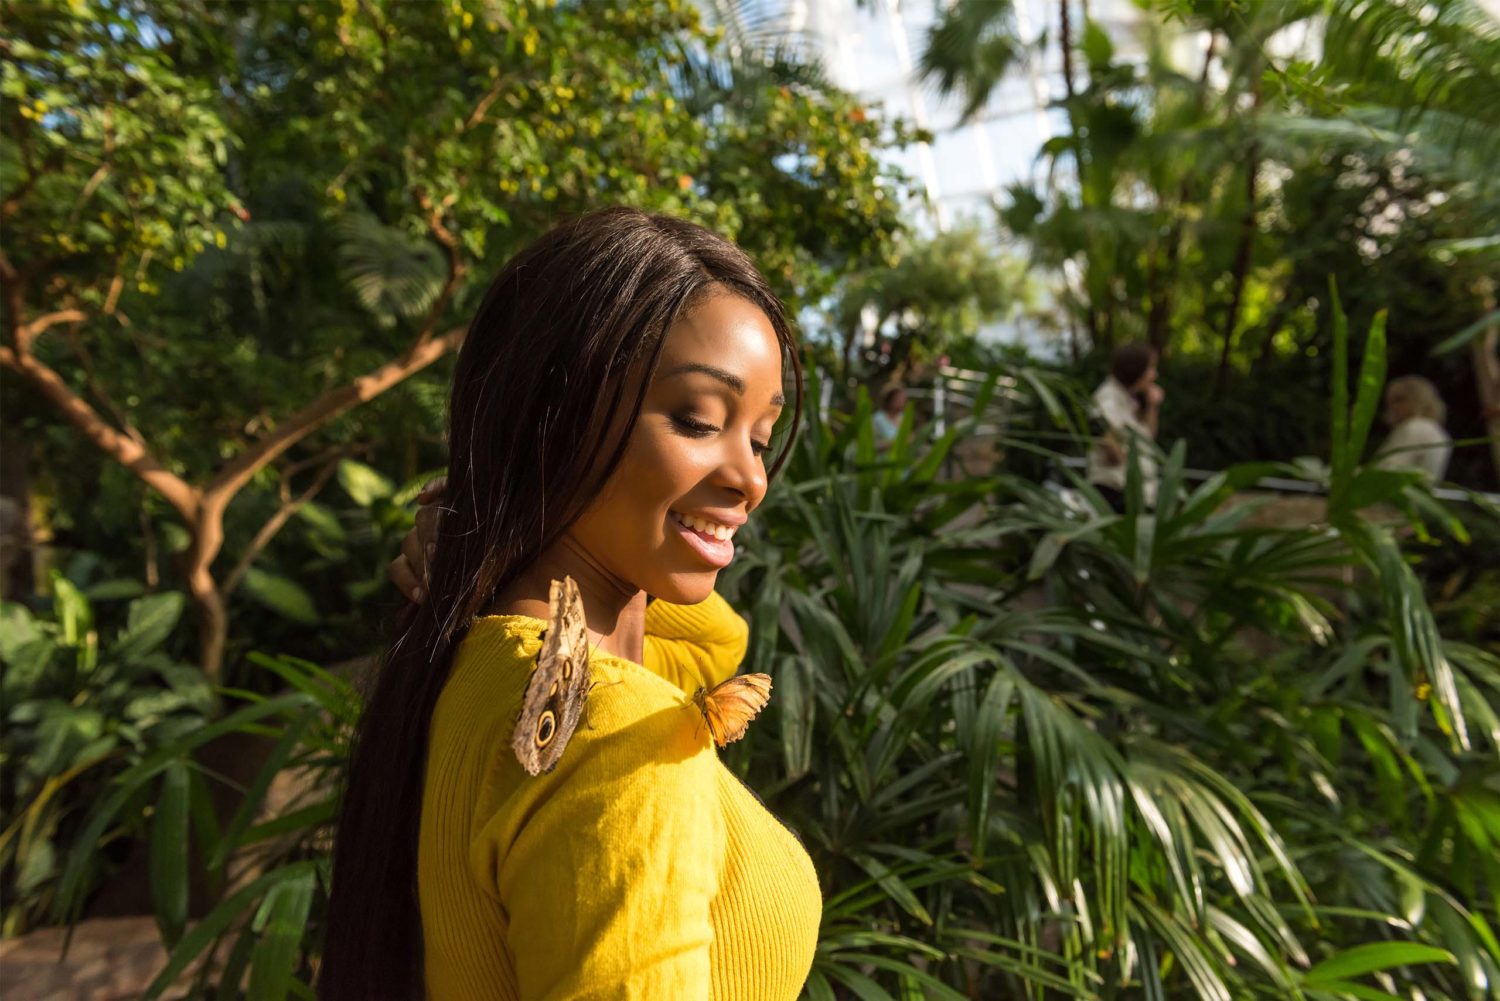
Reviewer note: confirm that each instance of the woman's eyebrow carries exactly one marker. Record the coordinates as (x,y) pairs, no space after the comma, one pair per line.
(729,379)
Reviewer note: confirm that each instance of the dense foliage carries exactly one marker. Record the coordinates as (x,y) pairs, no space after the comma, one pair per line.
(343,182)
(1036,749)
(1201,193)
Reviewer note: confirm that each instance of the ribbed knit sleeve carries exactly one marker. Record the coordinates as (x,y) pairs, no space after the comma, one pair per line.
(695,646)
(639,869)
(606,867)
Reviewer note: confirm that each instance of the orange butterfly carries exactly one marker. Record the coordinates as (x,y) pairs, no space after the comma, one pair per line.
(729,706)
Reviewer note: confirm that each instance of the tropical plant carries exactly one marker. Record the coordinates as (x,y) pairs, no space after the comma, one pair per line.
(932,294)
(1036,748)
(347,182)
(79,712)
(266,868)
(1200,202)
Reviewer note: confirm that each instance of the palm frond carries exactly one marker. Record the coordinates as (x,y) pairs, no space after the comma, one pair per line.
(970,49)
(394,276)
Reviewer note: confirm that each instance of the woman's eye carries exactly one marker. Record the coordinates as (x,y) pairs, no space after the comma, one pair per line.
(760,447)
(694,428)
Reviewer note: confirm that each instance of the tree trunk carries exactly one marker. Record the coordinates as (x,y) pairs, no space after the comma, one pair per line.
(1162,282)
(1159,314)
(1485,352)
(1268,343)
(1241,269)
(1065,41)
(202,509)
(1242,254)
(855,333)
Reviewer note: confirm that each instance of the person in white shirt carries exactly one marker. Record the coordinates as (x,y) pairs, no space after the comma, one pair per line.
(887,420)
(1128,405)
(1415,413)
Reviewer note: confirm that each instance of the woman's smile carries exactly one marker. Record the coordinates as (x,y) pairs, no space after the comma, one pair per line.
(709,537)
(695,464)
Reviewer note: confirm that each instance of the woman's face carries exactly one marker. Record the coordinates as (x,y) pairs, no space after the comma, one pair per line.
(1148,378)
(694,467)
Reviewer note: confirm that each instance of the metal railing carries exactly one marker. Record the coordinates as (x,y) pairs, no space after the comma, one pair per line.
(960,386)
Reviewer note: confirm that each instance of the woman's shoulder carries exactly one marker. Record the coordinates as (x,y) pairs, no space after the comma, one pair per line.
(494,665)
(1425,429)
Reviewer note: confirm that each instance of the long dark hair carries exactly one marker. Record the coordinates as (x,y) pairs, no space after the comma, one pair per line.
(566,339)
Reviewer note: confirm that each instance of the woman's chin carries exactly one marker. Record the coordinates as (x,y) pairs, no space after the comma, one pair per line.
(685,588)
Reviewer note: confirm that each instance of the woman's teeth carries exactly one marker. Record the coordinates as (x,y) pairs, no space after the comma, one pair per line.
(710,528)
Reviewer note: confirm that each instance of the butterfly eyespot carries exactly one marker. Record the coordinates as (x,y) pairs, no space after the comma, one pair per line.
(557,692)
(546,729)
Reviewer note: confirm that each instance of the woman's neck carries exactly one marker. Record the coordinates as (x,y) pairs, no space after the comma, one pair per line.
(614,608)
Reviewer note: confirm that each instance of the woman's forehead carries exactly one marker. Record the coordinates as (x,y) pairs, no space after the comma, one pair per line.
(728,332)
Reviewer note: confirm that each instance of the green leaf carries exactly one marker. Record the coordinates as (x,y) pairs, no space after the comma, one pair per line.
(1468,333)
(1357,991)
(169,853)
(1097,47)
(72,610)
(37,866)
(1370,387)
(149,621)
(1372,957)
(323,521)
(218,920)
(254,796)
(127,785)
(1340,397)
(363,485)
(26,673)
(282,924)
(281,594)
(17,629)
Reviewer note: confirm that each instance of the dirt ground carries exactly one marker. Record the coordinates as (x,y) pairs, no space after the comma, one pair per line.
(109,959)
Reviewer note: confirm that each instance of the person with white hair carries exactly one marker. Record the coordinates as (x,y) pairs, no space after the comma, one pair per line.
(1415,413)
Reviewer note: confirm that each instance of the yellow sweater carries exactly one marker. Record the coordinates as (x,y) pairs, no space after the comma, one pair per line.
(640,869)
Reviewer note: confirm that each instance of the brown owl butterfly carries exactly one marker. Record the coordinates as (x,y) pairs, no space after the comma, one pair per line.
(559,685)
(729,707)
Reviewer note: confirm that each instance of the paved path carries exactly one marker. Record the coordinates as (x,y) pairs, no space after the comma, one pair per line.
(110,959)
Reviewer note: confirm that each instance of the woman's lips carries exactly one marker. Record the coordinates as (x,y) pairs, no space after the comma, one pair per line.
(714,551)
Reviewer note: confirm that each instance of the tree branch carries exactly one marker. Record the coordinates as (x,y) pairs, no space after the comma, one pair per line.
(127,452)
(456,266)
(26,333)
(91,380)
(274,524)
(332,403)
(490,96)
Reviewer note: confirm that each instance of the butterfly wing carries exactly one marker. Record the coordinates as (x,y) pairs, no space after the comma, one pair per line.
(559,684)
(730,706)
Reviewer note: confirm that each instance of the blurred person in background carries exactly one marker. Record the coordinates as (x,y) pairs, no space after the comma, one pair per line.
(1415,414)
(1126,408)
(887,419)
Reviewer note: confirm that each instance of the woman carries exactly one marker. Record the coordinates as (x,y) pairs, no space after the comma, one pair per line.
(1128,406)
(611,414)
(887,420)
(1415,414)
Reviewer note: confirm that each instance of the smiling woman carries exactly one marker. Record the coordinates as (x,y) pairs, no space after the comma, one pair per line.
(612,418)
(695,466)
